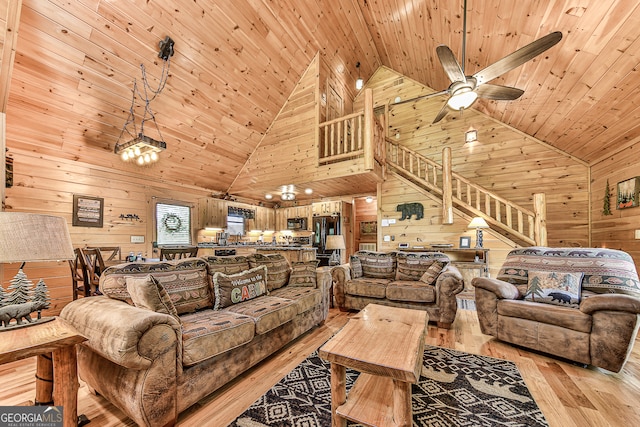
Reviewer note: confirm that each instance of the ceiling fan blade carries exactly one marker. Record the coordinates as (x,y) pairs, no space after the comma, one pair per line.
(499,93)
(517,58)
(443,112)
(426,96)
(450,64)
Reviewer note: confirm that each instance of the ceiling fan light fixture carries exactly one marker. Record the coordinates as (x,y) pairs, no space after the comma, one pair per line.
(462,99)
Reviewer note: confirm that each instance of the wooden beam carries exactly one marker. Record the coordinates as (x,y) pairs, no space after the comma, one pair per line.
(9,50)
(447,204)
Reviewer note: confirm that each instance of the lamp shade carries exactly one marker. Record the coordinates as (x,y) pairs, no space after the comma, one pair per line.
(478,222)
(33,237)
(335,241)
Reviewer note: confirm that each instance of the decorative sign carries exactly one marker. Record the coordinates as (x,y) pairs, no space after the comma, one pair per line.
(87,211)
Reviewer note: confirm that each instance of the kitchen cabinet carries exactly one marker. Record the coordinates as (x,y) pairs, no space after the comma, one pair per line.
(333,207)
(265,219)
(282,214)
(212,213)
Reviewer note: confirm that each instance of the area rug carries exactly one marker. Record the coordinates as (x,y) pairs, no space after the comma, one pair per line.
(455,389)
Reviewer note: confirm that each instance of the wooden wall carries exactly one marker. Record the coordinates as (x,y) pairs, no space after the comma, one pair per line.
(513,165)
(616,230)
(44,184)
(430,229)
(364,212)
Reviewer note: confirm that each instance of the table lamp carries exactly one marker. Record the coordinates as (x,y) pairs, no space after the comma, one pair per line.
(478,223)
(335,242)
(30,237)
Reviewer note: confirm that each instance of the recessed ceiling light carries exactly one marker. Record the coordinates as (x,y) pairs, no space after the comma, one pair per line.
(308,191)
(268,196)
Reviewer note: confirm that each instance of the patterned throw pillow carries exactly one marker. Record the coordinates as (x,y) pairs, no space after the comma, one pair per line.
(356,267)
(303,273)
(235,288)
(278,269)
(412,265)
(146,292)
(378,265)
(429,277)
(227,264)
(554,288)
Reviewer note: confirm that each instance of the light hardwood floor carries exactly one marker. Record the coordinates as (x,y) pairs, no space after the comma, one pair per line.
(568,394)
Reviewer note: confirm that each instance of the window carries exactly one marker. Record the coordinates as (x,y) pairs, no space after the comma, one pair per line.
(173,224)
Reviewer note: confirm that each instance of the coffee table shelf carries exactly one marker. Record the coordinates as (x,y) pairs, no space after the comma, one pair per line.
(386,345)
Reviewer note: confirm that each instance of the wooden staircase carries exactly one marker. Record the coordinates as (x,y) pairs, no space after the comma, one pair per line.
(523,226)
(362,136)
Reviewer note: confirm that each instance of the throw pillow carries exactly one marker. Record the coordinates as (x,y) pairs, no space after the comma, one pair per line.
(429,277)
(356,267)
(235,288)
(278,269)
(554,288)
(146,292)
(303,273)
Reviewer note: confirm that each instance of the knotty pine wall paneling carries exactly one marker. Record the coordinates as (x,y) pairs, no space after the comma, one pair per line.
(505,161)
(45,184)
(364,212)
(616,231)
(430,230)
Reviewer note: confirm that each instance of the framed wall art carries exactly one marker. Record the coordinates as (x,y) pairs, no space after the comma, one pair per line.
(368,227)
(465,242)
(87,211)
(628,193)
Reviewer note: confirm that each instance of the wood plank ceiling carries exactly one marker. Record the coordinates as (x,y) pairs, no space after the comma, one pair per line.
(236,62)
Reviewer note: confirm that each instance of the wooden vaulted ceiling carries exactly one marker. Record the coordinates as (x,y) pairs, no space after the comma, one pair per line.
(237,61)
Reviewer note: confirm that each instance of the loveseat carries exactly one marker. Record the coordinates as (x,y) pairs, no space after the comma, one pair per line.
(418,280)
(580,304)
(166,334)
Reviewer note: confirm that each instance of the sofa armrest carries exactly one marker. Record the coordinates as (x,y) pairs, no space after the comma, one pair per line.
(611,302)
(502,290)
(340,275)
(126,335)
(448,284)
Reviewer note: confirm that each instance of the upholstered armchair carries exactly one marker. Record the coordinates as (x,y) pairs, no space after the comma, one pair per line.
(581,304)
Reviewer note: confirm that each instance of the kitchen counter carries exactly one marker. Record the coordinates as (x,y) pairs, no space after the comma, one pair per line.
(291,252)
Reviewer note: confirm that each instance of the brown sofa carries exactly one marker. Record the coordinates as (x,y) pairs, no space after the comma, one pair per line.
(166,334)
(394,279)
(581,304)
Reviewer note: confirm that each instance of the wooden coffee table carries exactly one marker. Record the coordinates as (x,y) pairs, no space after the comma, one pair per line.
(386,345)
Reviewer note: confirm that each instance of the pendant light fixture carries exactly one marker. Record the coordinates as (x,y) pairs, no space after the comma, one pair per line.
(134,145)
(359,81)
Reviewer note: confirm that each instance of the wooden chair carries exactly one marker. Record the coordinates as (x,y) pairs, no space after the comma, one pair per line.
(94,266)
(79,279)
(178,253)
(110,254)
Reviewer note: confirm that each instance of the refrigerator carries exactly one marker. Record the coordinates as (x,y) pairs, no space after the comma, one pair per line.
(324,226)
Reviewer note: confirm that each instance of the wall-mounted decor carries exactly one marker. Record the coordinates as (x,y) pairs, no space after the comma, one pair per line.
(409,209)
(628,193)
(87,211)
(368,227)
(606,201)
(8,172)
(465,242)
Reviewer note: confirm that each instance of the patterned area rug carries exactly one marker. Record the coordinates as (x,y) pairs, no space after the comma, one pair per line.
(455,389)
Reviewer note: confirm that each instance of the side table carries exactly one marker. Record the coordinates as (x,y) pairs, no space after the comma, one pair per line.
(56,338)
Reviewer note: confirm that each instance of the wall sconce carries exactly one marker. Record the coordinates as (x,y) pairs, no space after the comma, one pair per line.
(359,81)
(471,135)
(136,145)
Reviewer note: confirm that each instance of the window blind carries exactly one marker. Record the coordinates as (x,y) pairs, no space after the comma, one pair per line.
(173,224)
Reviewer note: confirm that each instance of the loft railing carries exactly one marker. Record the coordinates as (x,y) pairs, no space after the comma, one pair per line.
(356,135)
(528,225)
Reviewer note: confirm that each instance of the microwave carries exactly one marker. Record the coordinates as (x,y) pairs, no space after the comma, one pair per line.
(296,223)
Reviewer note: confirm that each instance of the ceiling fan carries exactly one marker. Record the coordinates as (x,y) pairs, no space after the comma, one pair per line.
(464,90)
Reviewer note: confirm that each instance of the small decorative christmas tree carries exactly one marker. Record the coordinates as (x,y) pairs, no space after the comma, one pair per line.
(20,289)
(3,296)
(606,208)
(41,297)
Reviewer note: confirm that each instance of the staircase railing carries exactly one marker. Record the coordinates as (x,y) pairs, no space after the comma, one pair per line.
(525,224)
